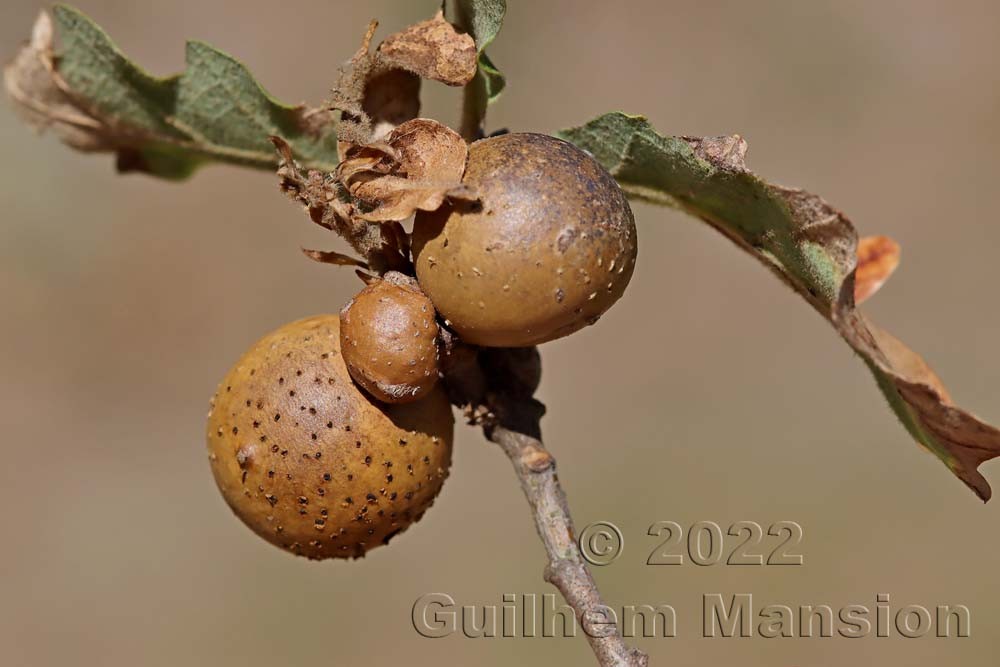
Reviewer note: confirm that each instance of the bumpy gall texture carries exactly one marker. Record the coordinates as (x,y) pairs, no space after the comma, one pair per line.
(311,463)
(549,248)
(388,337)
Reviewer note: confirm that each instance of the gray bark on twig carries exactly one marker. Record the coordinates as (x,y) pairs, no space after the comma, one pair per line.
(494,387)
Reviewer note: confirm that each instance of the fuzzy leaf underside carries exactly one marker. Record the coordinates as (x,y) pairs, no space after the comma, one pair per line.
(482,19)
(810,245)
(214,111)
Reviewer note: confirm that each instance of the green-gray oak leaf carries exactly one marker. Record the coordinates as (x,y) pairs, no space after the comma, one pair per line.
(73,78)
(810,245)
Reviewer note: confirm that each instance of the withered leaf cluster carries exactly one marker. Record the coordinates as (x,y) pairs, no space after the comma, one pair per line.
(393,163)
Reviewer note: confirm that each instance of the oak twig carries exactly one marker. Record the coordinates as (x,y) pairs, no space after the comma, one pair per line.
(498,399)
(566,570)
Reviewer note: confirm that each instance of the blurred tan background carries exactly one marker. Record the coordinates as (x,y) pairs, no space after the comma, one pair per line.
(709,393)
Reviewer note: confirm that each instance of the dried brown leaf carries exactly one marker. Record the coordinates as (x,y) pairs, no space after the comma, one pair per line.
(391,98)
(330,206)
(378,91)
(316,191)
(906,362)
(420,164)
(373,95)
(433,49)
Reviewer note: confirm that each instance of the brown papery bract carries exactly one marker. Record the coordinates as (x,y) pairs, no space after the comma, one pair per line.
(417,167)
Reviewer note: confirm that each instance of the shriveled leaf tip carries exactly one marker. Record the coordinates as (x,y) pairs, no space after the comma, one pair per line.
(42,98)
(878,257)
